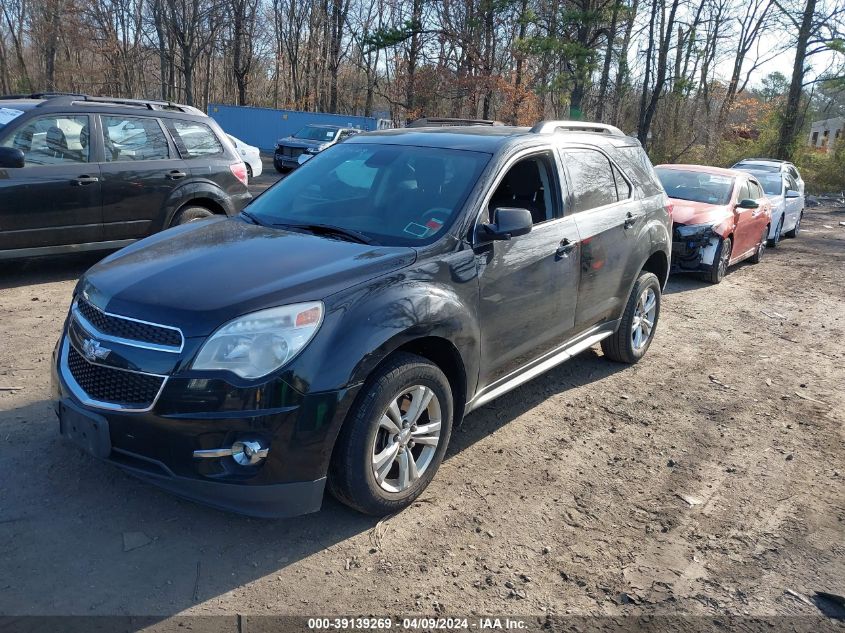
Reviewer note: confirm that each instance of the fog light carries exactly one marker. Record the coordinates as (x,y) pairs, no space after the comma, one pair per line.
(244,452)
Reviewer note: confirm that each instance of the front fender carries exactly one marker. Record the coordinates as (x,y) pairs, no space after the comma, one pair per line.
(365,324)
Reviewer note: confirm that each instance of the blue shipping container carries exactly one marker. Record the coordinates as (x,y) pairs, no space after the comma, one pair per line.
(262,127)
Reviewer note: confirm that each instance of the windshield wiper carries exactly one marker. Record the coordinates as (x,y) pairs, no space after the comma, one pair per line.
(251,217)
(330,230)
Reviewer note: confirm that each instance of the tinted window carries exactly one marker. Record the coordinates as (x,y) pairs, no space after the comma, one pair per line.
(53,140)
(593,184)
(133,138)
(638,165)
(529,184)
(696,186)
(197,138)
(395,195)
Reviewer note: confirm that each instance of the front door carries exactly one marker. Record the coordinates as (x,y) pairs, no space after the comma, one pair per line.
(528,284)
(140,169)
(55,199)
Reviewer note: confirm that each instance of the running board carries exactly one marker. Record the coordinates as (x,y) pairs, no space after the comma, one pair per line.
(513,381)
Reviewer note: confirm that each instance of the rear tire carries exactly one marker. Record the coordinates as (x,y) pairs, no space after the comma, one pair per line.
(248,171)
(191,214)
(380,438)
(641,314)
(720,262)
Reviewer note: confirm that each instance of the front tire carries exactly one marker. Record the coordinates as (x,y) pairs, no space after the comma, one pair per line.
(761,247)
(394,437)
(797,228)
(721,262)
(639,321)
(778,234)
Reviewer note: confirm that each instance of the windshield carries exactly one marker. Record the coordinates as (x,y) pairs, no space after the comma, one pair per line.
(393,194)
(772,183)
(696,186)
(312,133)
(7,115)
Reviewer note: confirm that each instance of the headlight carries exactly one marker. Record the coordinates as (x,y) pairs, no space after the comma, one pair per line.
(316,150)
(256,344)
(693,231)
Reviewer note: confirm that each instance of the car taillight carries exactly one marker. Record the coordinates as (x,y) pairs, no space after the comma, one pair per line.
(239,172)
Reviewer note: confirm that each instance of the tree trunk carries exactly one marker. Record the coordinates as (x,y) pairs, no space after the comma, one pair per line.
(791,119)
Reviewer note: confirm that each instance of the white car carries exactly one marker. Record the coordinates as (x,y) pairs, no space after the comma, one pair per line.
(787,203)
(771,165)
(250,155)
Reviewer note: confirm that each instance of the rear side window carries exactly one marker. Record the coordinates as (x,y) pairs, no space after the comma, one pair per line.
(195,139)
(128,138)
(593,184)
(53,140)
(623,188)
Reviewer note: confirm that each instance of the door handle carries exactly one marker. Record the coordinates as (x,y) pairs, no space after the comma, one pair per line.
(84,180)
(630,220)
(175,174)
(565,248)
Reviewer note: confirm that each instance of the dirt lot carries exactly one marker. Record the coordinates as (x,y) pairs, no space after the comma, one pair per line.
(708,479)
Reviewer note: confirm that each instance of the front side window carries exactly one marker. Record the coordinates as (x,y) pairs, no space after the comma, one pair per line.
(53,140)
(391,194)
(528,184)
(593,184)
(744,191)
(197,139)
(696,186)
(756,193)
(128,138)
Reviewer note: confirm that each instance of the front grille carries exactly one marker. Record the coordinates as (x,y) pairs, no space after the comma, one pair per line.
(293,152)
(113,386)
(128,329)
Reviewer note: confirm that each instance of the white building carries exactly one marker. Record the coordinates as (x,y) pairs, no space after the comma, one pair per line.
(825,134)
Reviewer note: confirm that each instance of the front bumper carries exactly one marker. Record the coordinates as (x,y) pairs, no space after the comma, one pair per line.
(694,253)
(157,445)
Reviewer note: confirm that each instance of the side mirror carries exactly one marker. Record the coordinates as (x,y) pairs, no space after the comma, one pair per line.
(793,194)
(747,203)
(507,222)
(11,157)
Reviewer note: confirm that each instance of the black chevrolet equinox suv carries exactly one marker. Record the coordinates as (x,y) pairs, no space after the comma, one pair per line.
(88,173)
(337,330)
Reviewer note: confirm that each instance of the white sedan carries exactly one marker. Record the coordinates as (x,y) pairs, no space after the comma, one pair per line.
(250,155)
(787,203)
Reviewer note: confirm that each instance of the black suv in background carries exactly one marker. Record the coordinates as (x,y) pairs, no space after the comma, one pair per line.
(293,151)
(88,173)
(337,330)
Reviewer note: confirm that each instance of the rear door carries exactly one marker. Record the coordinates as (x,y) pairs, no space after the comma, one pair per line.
(140,169)
(55,199)
(608,217)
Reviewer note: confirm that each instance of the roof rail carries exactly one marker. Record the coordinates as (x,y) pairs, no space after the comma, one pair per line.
(69,98)
(450,122)
(41,95)
(550,127)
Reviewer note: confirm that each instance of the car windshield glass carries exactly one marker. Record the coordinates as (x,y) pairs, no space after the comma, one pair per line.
(772,183)
(394,195)
(7,115)
(311,133)
(696,186)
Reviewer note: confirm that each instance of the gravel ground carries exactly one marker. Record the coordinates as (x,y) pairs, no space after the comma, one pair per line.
(707,479)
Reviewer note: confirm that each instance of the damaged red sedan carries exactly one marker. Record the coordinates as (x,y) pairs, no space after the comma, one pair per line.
(720,217)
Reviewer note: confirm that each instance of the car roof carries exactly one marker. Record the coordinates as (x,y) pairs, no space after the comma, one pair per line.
(762,161)
(487,139)
(706,169)
(20,104)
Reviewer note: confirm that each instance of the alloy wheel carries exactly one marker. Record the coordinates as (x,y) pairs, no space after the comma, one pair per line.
(643,322)
(724,259)
(406,439)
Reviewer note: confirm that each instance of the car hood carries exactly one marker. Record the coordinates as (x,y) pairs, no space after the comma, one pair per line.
(203,274)
(688,212)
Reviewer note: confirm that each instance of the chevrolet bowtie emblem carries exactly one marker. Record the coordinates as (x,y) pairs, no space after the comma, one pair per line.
(92,350)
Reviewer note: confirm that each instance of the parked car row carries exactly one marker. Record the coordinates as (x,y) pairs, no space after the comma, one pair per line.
(724,216)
